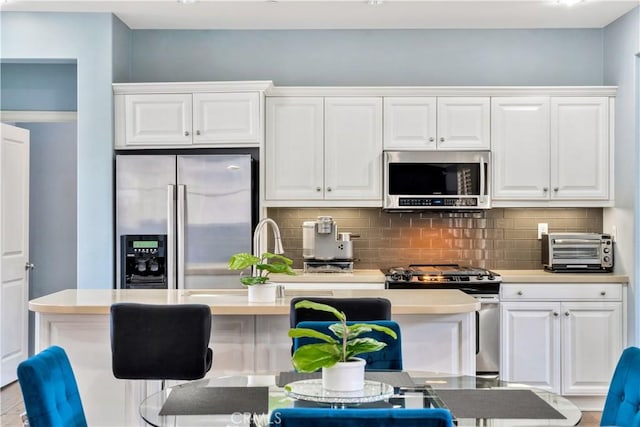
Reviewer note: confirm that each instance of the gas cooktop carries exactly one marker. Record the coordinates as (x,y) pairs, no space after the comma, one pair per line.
(443,276)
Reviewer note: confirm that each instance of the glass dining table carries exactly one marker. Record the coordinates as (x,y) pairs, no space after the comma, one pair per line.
(248,400)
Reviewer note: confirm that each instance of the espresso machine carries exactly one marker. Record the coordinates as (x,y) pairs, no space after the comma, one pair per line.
(324,249)
(143,261)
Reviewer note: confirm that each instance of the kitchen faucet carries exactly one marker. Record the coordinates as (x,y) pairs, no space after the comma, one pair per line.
(278,249)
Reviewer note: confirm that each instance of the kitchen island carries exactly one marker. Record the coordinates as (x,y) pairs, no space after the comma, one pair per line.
(438,334)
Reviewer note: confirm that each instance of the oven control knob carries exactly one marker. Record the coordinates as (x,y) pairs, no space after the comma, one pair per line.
(480,277)
(606,250)
(606,259)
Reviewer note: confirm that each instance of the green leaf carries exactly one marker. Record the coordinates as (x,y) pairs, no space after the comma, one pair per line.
(321,307)
(311,357)
(363,345)
(240,261)
(253,280)
(359,328)
(338,330)
(310,333)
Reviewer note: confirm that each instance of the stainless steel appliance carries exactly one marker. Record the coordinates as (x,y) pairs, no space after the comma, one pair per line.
(203,203)
(436,180)
(577,252)
(323,250)
(483,284)
(143,261)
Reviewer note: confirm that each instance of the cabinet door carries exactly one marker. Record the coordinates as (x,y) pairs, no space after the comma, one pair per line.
(353,148)
(530,349)
(410,123)
(580,148)
(294,148)
(591,346)
(520,148)
(463,123)
(158,119)
(226,117)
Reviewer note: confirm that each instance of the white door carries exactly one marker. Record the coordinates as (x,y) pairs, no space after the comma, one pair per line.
(353,148)
(591,346)
(463,123)
(409,123)
(520,148)
(580,148)
(226,117)
(14,249)
(530,346)
(158,119)
(294,148)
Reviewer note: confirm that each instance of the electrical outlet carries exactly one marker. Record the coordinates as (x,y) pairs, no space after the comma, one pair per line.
(543,227)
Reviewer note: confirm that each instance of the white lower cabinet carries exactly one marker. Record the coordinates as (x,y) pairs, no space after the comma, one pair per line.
(569,345)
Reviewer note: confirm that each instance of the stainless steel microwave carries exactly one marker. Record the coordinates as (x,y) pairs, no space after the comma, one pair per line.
(436,180)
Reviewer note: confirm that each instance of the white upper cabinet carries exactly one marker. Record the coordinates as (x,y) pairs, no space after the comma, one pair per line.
(580,148)
(353,148)
(520,131)
(323,151)
(226,117)
(294,148)
(188,115)
(410,123)
(153,119)
(551,149)
(442,123)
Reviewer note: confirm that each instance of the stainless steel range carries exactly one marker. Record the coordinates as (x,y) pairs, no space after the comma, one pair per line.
(483,284)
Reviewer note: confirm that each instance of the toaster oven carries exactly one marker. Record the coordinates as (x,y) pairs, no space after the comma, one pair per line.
(577,252)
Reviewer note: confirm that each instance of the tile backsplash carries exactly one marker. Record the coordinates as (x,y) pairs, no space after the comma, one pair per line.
(496,238)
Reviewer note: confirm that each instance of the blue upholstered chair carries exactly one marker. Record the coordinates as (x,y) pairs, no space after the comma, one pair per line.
(389,358)
(622,406)
(160,342)
(326,417)
(49,390)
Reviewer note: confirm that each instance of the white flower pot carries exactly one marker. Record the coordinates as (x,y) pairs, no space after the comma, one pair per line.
(344,376)
(262,293)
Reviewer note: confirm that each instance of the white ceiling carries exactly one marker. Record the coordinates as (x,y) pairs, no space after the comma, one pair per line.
(342,14)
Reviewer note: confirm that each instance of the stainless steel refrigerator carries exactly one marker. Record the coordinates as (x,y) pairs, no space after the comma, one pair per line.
(203,203)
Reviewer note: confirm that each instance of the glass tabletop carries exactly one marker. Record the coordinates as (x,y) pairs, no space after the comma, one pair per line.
(312,391)
(425,394)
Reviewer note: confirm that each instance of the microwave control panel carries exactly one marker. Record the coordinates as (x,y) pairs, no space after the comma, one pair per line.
(454,202)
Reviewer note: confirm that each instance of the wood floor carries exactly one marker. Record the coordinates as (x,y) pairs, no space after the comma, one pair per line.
(12,407)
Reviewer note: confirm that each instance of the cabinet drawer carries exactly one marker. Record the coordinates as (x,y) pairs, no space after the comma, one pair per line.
(561,292)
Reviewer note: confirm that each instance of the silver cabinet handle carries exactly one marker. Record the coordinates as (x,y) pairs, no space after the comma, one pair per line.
(442,139)
(186,133)
(603,293)
(555,313)
(328,188)
(555,189)
(545,189)
(29,266)
(197,132)
(566,313)
(519,292)
(318,189)
(431,139)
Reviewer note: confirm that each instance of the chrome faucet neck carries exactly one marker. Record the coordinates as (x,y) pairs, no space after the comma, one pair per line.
(278,249)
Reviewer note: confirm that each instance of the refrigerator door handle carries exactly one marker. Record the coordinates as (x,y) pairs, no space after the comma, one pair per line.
(180,227)
(171,236)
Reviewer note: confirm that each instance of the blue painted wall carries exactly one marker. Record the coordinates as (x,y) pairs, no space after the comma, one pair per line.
(85,39)
(38,87)
(371,57)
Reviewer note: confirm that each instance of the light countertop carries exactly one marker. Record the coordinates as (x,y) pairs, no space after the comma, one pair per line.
(508,276)
(234,302)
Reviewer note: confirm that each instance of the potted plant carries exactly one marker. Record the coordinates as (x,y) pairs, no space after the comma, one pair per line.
(258,285)
(341,370)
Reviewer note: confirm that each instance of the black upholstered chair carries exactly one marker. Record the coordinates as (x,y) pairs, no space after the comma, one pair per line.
(160,342)
(356,309)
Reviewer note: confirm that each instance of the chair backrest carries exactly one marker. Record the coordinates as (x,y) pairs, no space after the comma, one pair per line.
(622,406)
(354,417)
(160,342)
(389,358)
(355,309)
(49,390)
